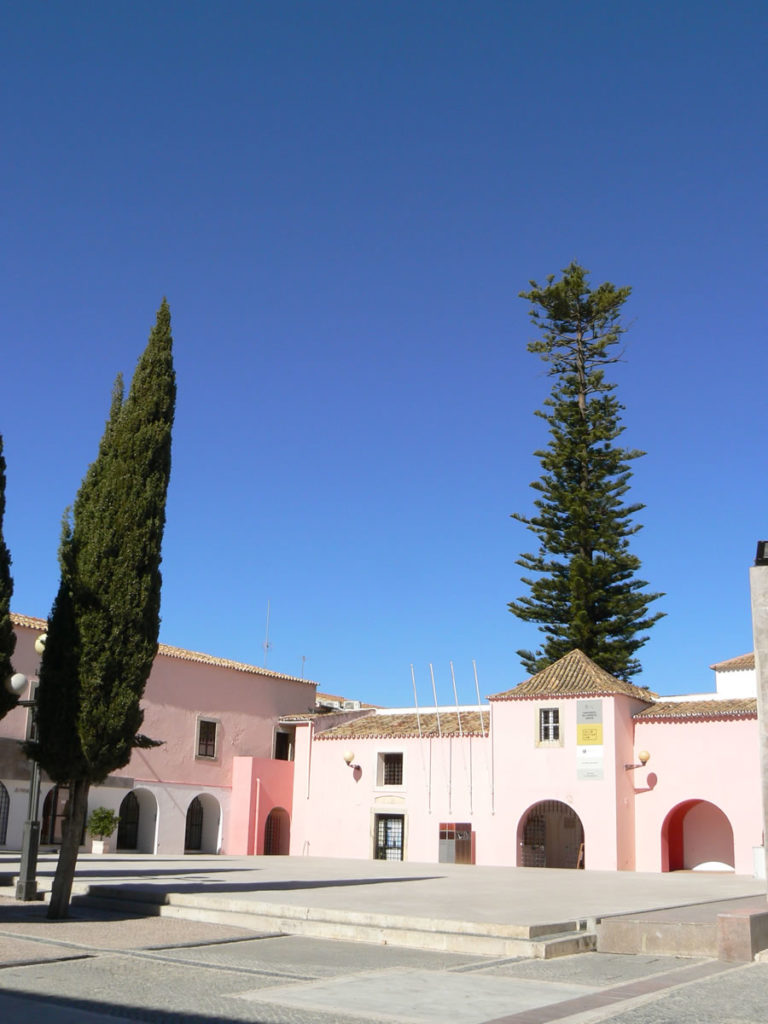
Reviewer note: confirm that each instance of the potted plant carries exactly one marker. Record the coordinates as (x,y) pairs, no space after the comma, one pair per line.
(102,822)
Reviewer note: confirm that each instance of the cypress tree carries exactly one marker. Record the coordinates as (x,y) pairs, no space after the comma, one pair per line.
(585,592)
(103,628)
(7,635)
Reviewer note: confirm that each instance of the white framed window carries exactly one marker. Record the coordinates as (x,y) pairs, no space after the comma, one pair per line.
(389,769)
(548,731)
(207,739)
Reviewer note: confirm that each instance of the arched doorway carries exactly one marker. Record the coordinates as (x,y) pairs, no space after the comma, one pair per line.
(193,833)
(128,828)
(54,809)
(550,835)
(5,806)
(277,833)
(696,835)
(143,834)
(201,833)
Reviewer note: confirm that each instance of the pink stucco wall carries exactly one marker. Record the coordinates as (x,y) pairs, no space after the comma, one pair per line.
(258,786)
(713,761)
(335,806)
(245,706)
(490,783)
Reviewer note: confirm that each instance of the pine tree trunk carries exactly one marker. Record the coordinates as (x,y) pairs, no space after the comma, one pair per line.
(70,846)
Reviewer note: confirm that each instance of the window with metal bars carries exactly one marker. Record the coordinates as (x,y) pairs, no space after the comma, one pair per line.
(206,738)
(390,770)
(549,725)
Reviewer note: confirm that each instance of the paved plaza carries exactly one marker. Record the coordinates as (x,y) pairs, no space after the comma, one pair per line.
(100,966)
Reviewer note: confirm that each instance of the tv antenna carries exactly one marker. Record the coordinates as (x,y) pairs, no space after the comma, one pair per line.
(266,645)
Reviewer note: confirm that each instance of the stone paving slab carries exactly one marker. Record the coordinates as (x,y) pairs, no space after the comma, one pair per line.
(19,950)
(311,958)
(90,929)
(411,997)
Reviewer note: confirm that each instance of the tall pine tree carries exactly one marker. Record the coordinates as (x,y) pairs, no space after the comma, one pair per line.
(7,635)
(585,592)
(103,628)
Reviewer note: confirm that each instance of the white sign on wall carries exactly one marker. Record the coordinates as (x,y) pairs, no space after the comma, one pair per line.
(589,739)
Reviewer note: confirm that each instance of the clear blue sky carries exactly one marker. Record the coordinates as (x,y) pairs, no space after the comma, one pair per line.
(341,201)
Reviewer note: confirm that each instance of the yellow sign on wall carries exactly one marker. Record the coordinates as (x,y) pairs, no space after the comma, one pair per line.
(590,735)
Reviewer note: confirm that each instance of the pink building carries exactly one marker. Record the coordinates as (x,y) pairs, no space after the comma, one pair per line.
(222,781)
(571,768)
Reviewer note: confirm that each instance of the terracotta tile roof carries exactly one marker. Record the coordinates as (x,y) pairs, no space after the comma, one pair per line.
(744,661)
(742,707)
(238,666)
(405,725)
(573,675)
(27,620)
(182,653)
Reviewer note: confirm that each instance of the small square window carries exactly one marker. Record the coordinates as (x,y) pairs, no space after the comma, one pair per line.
(206,738)
(549,725)
(390,770)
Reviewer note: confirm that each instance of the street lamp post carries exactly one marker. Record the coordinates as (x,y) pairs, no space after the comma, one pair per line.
(26,886)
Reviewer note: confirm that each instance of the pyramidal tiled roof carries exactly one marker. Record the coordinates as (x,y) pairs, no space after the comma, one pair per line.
(739,664)
(737,707)
(574,675)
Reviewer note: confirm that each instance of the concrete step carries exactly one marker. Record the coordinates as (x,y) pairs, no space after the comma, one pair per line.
(542,941)
(643,934)
(731,930)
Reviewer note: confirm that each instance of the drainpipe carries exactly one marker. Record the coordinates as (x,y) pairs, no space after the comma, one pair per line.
(254,843)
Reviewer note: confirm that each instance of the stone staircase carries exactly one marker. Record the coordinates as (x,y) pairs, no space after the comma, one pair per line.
(542,941)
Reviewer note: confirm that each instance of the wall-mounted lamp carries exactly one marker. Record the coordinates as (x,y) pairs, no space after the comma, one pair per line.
(761,558)
(349,758)
(643,757)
